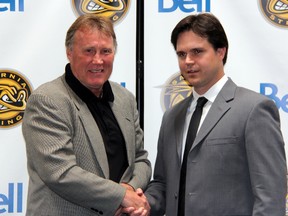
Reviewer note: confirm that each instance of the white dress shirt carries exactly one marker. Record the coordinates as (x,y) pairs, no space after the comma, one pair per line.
(211,94)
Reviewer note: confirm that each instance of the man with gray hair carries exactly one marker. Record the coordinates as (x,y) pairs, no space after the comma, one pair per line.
(84,143)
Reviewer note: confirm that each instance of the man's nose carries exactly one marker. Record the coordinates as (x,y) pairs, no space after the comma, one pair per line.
(189,59)
(97,59)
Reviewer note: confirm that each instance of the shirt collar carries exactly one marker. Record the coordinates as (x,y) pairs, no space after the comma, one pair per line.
(212,93)
(84,93)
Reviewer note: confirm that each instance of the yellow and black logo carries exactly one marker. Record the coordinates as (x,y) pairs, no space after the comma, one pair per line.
(276,11)
(113,9)
(174,90)
(14,93)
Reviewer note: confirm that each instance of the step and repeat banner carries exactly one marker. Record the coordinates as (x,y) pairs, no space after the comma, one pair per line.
(32,52)
(257,31)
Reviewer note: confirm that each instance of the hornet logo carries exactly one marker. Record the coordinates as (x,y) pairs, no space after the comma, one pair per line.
(14,93)
(276,11)
(113,9)
(174,90)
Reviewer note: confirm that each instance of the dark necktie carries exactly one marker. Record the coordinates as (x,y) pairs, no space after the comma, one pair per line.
(191,134)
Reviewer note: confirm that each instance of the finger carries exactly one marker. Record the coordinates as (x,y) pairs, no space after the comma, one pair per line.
(128,210)
(138,212)
(118,212)
(139,191)
(144,213)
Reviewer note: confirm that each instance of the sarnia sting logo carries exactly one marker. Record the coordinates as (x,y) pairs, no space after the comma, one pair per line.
(174,90)
(112,9)
(276,11)
(14,93)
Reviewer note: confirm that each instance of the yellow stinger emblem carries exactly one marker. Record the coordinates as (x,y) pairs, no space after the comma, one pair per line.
(113,9)
(14,93)
(276,11)
(279,8)
(174,90)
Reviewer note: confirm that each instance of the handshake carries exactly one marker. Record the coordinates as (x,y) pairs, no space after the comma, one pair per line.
(134,203)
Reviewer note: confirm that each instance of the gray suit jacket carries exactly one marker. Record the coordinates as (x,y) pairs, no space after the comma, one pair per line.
(67,162)
(236,165)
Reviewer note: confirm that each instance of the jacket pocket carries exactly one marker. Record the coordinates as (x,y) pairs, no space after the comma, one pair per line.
(222,141)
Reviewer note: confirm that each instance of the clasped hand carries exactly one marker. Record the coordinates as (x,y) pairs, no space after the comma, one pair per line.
(134,203)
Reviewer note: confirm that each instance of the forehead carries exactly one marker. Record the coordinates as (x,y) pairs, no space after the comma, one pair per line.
(189,39)
(88,35)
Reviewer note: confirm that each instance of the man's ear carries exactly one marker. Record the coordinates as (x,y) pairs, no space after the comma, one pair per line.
(69,53)
(222,52)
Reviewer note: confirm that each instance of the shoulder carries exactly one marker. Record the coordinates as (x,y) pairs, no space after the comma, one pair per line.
(55,92)
(249,96)
(120,92)
(244,96)
(54,87)
(249,101)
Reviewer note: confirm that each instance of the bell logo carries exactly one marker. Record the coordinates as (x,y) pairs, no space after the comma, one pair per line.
(15,194)
(186,6)
(12,5)
(270,90)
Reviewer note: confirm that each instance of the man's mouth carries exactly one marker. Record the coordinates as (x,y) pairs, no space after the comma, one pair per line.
(192,71)
(96,70)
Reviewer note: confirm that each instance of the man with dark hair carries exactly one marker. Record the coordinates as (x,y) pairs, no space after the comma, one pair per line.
(229,159)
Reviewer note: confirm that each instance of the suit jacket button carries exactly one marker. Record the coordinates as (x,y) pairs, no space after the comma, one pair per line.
(96,210)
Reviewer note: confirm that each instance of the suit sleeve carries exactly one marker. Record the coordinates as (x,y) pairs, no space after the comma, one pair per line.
(156,192)
(142,166)
(266,159)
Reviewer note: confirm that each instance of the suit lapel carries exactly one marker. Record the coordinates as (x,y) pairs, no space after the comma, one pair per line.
(95,137)
(180,114)
(124,124)
(219,107)
(93,132)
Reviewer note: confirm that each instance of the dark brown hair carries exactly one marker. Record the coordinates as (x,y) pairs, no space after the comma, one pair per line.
(205,25)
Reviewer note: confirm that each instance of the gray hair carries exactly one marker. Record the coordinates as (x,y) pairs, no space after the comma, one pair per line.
(91,21)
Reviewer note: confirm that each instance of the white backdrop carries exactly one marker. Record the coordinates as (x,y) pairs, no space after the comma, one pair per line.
(32,37)
(32,43)
(257,54)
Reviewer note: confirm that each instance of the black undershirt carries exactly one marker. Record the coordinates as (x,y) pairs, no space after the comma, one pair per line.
(111,133)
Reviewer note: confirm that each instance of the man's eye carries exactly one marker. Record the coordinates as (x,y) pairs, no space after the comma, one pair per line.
(89,51)
(107,51)
(196,51)
(181,54)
